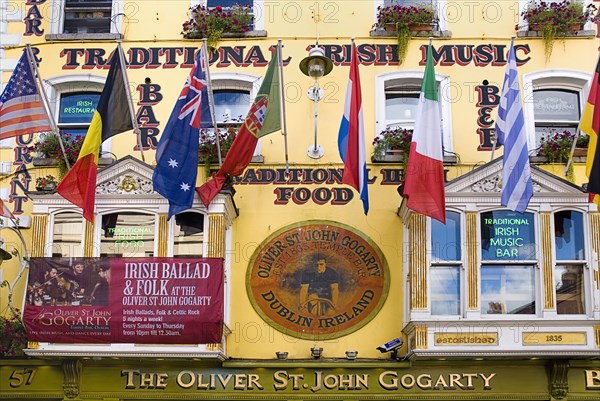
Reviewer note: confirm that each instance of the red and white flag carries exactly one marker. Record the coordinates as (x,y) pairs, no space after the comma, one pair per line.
(424,179)
(5,211)
(22,110)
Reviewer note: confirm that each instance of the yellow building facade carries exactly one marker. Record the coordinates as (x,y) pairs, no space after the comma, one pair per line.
(491,305)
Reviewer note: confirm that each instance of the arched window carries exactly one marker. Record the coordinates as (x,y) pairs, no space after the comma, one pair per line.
(128,234)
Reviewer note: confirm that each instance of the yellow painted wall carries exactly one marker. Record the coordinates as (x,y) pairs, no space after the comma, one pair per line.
(158,24)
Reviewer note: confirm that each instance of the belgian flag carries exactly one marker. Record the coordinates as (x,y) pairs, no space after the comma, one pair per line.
(112,116)
(590,125)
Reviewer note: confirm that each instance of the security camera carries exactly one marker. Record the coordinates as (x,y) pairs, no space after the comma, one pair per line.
(392,346)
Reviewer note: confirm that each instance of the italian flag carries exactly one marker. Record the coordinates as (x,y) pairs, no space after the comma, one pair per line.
(424,176)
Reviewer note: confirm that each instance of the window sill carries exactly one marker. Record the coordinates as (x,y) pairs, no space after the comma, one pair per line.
(229,35)
(382,33)
(57,37)
(399,158)
(545,160)
(572,34)
(51,162)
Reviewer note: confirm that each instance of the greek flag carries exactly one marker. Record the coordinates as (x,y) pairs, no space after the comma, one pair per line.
(510,130)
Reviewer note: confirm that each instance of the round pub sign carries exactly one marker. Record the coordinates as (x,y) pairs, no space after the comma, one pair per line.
(317,279)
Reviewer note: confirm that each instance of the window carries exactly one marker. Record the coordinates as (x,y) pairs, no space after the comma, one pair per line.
(440,5)
(555,110)
(96,19)
(83,16)
(231,105)
(569,269)
(508,256)
(67,235)
(76,111)
(445,270)
(397,97)
(188,235)
(128,234)
(553,101)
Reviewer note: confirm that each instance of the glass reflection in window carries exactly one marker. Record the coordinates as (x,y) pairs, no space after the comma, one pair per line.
(508,289)
(445,290)
(68,235)
(445,238)
(189,234)
(127,234)
(568,235)
(507,235)
(570,295)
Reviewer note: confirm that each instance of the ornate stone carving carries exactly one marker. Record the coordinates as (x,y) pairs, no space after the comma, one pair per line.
(72,371)
(559,384)
(128,184)
(493,183)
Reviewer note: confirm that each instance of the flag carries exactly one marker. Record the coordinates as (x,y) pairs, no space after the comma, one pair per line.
(5,211)
(424,178)
(22,110)
(177,154)
(590,125)
(112,116)
(517,189)
(351,137)
(262,119)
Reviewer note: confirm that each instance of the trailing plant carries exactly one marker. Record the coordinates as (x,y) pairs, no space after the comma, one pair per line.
(49,145)
(211,23)
(403,18)
(557,146)
(13,337)
(555,19)
(392,139)
(42,182)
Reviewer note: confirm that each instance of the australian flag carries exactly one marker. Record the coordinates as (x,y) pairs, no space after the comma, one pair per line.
(177,154)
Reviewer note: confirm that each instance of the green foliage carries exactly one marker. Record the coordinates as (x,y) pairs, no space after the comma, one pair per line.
(211,23)
(13,337)
(49,145)
(557,146)
(555,19)
(392,139)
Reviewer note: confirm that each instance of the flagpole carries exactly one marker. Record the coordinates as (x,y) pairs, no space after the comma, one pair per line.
(578,132)
(282,104)
(39,84)
(211,101)
(136,127)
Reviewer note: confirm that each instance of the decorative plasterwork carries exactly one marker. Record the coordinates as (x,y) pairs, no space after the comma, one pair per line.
(125,177)
(559,383)
(494,184)
(72,371)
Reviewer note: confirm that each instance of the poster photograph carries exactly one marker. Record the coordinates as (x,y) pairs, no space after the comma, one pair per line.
(125,300)
(317,280)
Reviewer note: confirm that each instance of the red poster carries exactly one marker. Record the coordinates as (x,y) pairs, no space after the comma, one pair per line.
(125,300)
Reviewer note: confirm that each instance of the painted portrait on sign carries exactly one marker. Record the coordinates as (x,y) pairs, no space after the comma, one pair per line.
(317,279)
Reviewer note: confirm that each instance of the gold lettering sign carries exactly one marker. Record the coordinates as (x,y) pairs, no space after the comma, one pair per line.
(318,278)
(460,339)
(592,379)
(554,338)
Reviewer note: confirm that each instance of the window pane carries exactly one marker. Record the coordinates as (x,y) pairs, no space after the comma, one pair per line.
(570,296)
(189,234)
(231,105)
(507,290)
(568,235)
(556,105)
(507,235)
(127,234)
(67,236)
(83,16)
(445,290)
(401,107)
(445,238)
(77,108)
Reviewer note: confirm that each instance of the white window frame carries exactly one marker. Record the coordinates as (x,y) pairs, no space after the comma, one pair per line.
(57,19)
(55,87)
(572,80)
(103,210)
(444,85)
(440,6)
(172,225)
(49,245)
(234,80)
(258,10)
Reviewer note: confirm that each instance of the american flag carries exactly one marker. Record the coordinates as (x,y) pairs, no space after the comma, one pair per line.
(21,108)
